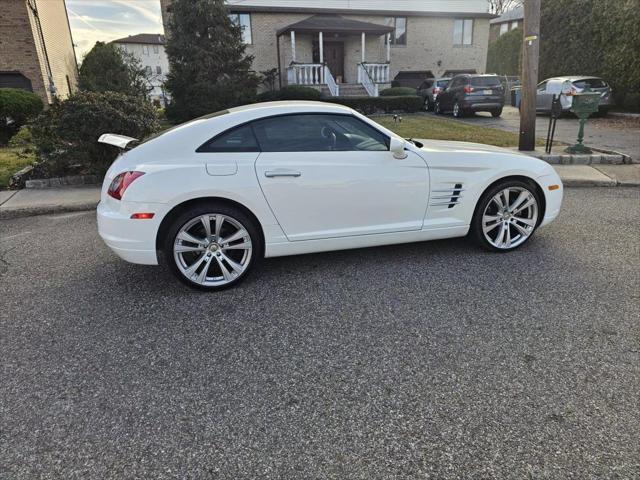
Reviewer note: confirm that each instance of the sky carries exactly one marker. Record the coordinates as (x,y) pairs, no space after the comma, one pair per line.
(107,20)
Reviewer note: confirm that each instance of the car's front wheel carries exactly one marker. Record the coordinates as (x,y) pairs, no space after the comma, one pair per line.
(496,113)
(458,112)
(212,246)
(437,109)
(506,216)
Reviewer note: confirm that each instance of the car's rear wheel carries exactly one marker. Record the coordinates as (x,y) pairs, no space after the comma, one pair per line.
(458,112)
(437,108)
(506,216)
(212,246)
(496,113)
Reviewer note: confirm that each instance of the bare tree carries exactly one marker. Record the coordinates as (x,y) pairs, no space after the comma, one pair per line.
(500,6)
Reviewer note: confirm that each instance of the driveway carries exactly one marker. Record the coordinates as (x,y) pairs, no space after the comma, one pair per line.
(610,133)
(429,360)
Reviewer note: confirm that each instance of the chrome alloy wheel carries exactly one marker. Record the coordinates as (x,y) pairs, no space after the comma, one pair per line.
(510,217)
(456,110)
(212,250)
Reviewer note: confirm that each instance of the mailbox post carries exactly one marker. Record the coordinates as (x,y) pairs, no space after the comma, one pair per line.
(583,105)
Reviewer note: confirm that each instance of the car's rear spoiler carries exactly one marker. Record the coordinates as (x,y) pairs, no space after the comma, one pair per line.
(119,141)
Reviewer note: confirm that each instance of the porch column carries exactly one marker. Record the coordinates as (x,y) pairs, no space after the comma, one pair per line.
(388,47)
(363,42)
(320,42)
(293,46)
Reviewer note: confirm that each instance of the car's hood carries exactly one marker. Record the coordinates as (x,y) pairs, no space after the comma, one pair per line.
(461,147)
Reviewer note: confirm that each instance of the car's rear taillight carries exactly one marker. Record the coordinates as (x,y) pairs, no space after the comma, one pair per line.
(468,89)
(437,90)
(121,182)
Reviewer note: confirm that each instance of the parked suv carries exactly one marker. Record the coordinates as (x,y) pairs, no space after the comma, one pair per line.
(566,87)
(471,93)
(430,89)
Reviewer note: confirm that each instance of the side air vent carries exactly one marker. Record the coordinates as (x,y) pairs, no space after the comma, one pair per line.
(448,197)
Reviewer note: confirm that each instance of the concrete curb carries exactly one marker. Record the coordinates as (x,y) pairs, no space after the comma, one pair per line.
(10,213)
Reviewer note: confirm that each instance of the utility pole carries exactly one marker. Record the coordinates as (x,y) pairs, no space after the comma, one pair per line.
(530,54)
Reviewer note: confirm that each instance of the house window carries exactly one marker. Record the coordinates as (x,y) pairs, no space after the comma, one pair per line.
(145,50)
(514,25)
(244,21)
(158,70)
(504,28)
(124,48)
(399,34)
(463,32)
(147,70)
(155,49)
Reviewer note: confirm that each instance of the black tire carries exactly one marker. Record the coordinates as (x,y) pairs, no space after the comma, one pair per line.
(437,109)
(496,113)
(476,233)
(212,207)
(427,105)
(458,112)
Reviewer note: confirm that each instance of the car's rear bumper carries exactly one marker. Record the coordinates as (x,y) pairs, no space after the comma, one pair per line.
(132,240)
(482,105)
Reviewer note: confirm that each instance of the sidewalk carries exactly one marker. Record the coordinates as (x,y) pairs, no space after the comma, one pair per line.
(24,203)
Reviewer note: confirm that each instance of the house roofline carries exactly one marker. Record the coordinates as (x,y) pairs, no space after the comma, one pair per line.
(344,11)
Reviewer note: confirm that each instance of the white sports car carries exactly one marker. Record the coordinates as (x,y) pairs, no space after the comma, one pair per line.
(212,197)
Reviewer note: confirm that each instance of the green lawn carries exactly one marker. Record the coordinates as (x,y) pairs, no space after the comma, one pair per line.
(11,160)
(437,128)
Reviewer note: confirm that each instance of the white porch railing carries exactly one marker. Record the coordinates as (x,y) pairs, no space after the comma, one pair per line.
(333,87)
(367,82)
(305,74)
(312,74)
(379,72)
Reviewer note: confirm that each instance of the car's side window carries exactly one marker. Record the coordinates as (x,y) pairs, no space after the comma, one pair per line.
(238,140)
(317,133)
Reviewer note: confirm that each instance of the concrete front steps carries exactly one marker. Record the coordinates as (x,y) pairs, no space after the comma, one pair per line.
(347,90)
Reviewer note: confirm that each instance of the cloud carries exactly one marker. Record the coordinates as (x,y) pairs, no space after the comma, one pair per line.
(143,8)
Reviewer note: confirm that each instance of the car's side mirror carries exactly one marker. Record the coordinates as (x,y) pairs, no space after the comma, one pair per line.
(397,146)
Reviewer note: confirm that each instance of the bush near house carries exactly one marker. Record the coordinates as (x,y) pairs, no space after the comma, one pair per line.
(291,92)
(66,135)
(17,107)
(504,56)
(369,105)
(398,92)
(209,70)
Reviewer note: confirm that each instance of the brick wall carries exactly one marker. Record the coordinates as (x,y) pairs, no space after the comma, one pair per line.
(18,51)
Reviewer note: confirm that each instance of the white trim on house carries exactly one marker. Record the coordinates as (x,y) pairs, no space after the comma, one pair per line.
(416,7)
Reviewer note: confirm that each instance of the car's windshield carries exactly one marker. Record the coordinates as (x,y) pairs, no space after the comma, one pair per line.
(485,81)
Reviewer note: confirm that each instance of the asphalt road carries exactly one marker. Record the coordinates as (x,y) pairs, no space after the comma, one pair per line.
(431,360)
(609,133)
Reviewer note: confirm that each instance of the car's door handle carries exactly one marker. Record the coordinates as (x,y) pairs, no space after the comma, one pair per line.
(281,173)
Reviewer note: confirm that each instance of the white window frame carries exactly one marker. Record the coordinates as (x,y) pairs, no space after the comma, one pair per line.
(393,22)
(156,49)
(466,31)
(247,31)
(145,49)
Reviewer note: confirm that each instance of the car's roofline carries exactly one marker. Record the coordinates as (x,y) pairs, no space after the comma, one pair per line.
(296,105)
(572,79)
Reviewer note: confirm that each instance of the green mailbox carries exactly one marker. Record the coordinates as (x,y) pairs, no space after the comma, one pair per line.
(583,105)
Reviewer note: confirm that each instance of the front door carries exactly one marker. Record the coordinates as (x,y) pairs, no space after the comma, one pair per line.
(330,175)
(334,56)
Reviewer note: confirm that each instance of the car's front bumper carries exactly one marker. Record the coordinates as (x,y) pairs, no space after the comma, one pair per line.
(132,240)
(553,198)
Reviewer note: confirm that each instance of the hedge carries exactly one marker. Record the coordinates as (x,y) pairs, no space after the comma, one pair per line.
(17,107)
(398,92)
(291,92)
(369,105)
(504,56)
(66,135)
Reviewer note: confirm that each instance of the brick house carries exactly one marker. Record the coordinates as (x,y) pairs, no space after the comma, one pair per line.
(358,46)
(36,48)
